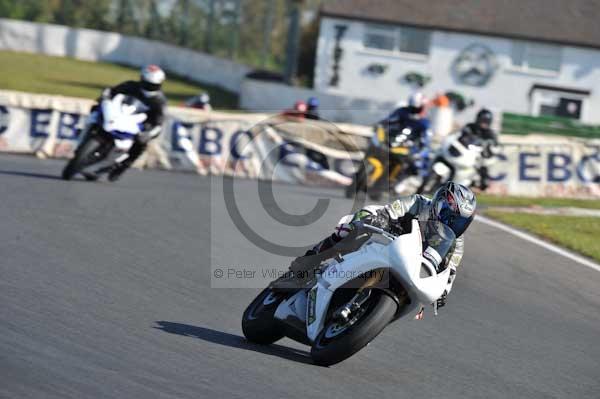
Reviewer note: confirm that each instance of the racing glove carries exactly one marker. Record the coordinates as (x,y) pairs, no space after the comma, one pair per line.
(380,218)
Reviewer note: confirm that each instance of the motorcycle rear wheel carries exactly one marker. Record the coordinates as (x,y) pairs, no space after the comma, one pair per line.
(258,322)
(337,342)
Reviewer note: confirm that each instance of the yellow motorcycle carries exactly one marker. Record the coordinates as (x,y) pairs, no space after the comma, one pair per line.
(387,160)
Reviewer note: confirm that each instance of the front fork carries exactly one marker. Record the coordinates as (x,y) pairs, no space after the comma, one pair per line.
(345,312)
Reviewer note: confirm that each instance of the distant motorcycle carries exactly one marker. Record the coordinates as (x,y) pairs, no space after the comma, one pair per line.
(372,279)
(458,160)
(388,160)
(107,141)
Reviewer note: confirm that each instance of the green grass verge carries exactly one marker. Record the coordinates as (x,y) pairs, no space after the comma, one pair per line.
(525,124)
(579,234)
(37,73)
(492,200)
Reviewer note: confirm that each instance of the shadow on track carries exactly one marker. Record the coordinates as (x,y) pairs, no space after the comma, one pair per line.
(233,341)
(30,174)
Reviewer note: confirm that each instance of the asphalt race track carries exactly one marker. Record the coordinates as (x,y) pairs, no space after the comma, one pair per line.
(106,293)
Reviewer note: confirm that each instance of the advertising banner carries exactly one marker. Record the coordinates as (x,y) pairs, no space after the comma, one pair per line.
(287,149)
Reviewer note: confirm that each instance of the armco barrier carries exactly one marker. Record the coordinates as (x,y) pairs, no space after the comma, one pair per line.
(251,145)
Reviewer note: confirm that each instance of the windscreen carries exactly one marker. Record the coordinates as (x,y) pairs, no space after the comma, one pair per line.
(437,240)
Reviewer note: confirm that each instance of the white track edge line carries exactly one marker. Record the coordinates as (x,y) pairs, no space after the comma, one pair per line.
(527,237)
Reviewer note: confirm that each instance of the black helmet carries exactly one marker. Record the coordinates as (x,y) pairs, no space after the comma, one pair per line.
(484,118)
(454,205)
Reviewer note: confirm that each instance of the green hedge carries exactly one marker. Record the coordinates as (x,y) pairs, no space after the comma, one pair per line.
(524,124)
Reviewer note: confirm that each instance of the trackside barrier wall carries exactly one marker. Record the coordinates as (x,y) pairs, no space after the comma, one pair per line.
(255,95)
(290,150)
(261,96)
(93,45)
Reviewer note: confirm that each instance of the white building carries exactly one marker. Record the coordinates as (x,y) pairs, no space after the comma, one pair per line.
(537,57)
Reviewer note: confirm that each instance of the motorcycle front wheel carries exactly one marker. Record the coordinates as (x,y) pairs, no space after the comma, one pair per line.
(338,341)
(258,322)
(89,151)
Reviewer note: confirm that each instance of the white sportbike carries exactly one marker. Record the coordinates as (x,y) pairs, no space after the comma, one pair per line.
(373,279)
(118,121)
(458,160)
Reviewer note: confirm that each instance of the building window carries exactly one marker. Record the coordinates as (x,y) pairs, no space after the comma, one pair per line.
(379,37)
(565,107)
(558,101)
(535,56)
(404,39)
(413,40)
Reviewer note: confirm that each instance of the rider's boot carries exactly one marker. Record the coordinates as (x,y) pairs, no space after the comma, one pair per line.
(135,151)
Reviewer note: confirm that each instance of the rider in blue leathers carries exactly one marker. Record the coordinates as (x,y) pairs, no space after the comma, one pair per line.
(406,127)
(412,117)
(407,124)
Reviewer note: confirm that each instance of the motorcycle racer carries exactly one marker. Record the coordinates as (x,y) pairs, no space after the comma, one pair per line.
(148,91)
(412,117)
(481,129)
(399,147)
(452,204)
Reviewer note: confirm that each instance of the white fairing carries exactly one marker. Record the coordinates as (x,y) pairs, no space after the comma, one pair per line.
(402,256)
(121,117)
(469,156)
(123,145)
(123,122)
(441,169)
(465,164)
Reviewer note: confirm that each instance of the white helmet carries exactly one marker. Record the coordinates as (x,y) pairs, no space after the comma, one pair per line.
(204,98)
(417,100)
(152,77)
(416,104)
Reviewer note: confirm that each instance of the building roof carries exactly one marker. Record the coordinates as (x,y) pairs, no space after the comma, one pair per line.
(574,22)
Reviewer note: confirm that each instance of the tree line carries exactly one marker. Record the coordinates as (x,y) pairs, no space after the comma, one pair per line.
(250,31)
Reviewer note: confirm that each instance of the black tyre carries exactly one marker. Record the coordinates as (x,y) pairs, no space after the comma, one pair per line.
(359,182)
(82,157)
(258,322)
(375,196)
(338,342)
(92,149)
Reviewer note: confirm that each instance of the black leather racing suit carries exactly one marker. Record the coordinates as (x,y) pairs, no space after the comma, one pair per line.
(489,139)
